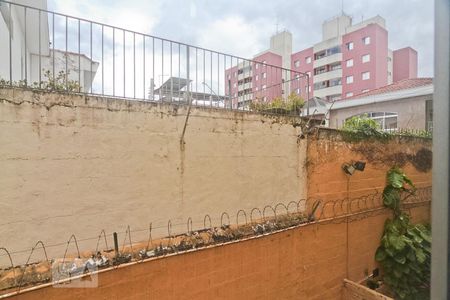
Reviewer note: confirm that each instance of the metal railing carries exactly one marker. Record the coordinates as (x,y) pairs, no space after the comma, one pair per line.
(54,51)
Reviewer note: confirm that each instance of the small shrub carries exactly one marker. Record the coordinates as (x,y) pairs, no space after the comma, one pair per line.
(50,83)
(293,104)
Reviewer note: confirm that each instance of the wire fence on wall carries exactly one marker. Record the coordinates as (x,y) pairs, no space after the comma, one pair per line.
(52,51)
(115,248)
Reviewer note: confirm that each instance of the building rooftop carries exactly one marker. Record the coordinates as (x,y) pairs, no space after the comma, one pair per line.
(402,89)
(404,84)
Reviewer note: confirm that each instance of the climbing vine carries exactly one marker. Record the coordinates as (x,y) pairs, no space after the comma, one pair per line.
(405,250)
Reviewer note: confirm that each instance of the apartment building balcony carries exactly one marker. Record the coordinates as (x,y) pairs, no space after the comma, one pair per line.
(244,75)
(332,90)
(327,75)
(245,97)
(328,60)
(244,86)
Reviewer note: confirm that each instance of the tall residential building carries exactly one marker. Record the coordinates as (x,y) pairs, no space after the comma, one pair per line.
(351,59)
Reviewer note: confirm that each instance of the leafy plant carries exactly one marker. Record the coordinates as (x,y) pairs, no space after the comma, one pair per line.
(292,104)
(362,127)
(405,250)
(59,82)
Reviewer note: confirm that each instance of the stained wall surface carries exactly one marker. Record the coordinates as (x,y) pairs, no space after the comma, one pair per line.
(307,262)
(73,164)
(329,150)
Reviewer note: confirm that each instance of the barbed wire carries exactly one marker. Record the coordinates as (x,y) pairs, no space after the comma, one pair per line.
(282,216)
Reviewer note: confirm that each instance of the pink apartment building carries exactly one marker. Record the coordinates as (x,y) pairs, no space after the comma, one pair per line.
(351,59)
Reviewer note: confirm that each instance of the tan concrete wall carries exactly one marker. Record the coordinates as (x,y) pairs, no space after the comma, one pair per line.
(76,164)
(307,262)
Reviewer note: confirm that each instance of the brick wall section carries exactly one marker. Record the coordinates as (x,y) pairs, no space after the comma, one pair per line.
(308,262)
(328,151)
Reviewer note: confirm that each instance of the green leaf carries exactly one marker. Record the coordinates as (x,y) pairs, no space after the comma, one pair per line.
(420,255)
(400,259)
(396,241)
(395,178)
(380,254)
(391,197)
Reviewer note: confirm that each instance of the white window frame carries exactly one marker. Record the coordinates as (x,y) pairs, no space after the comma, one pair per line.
(350,46)
(381,119)
(365,58)
(264,75)
(308,59)
(349,79)
(256,78)
(365,75)
(297,63)
(350,94)
(349,63)
(366,40)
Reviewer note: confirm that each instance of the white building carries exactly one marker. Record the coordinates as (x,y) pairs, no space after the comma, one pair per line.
(25,35)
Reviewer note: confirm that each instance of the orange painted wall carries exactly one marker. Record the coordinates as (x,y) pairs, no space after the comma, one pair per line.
(328,151)
(307,262)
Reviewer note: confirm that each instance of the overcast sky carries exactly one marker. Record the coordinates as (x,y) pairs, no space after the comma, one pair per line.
(243,28)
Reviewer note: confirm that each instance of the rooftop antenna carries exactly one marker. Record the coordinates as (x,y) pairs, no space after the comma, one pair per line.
(342,7)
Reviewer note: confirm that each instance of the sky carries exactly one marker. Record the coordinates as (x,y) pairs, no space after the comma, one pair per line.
(243,28)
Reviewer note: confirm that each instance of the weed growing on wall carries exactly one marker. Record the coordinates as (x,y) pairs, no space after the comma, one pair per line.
(50,83)
(293,104)
(405,250)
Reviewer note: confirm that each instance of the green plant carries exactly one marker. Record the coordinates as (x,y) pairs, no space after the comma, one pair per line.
(57,82)
(292,104)
(362,127)
(405,250)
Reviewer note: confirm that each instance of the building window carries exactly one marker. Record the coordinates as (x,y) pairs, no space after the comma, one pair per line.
(298,91)
(235,74)
(297,76)
(386,120)
(366,90)
(365,75)
(349,79)
(256,66)
(349,46)
(389,59)
(349,94)
(264,75)
(389,73)
(335,67)
(256,77)
(349,63)
(264,87)
(366,58)
(256,88)
(264,62)
(366,40)
(429,115)
(234,85)
(308,60)
(309,74)
(335,81)
(297,63)
(229,76)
